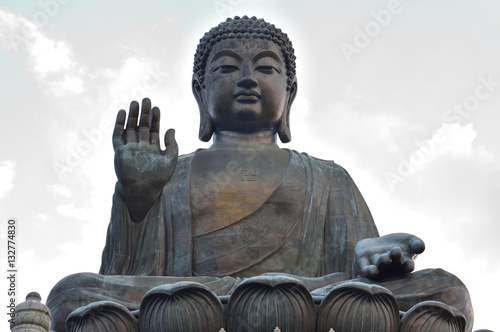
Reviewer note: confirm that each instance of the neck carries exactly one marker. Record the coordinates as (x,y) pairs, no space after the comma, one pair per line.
(233,139)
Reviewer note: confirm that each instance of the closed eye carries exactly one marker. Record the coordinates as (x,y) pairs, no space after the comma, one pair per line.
(268,69)
(226,68)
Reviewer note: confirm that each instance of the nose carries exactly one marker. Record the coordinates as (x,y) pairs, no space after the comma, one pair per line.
(247,79)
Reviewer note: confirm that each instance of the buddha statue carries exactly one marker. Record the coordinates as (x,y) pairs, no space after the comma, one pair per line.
(244,207)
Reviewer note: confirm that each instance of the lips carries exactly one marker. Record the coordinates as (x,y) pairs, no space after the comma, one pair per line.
(247,96)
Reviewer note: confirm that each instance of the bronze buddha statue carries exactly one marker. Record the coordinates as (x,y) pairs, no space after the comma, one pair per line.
(243,207)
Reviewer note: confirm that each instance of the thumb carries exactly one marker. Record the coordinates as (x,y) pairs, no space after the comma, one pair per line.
(171,144)
(417,246)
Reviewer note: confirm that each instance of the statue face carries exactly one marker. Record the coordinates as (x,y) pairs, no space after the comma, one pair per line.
(245,83)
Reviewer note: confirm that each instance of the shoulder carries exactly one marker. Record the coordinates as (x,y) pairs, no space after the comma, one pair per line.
(328,168)
(318,162)
(186,158)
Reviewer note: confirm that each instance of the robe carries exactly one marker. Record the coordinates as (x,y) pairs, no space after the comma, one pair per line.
(308,226)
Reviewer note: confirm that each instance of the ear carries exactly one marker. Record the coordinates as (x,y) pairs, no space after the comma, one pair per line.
(206,126)
(284,126)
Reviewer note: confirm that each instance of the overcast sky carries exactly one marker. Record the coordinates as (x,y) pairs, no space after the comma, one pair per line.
(404,94)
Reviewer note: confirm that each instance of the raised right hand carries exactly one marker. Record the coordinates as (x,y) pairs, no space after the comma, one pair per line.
(141,166)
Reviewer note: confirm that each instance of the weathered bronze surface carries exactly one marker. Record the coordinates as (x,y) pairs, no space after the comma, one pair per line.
(244,207)
(360,306)
(271,301)
(102,316)
(183,306)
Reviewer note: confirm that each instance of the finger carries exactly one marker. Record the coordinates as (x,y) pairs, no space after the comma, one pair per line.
(417,246)
(384,260)
(130,132)
(171,144)
(145,122)
(375,258)
(155,127)
(366,268)
(118,130)
(407,264)
(396,253)
(370,271)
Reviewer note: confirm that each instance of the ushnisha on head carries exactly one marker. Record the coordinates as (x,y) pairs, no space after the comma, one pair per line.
(275,88)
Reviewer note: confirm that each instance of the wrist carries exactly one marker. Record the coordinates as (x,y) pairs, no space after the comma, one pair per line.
(138,199)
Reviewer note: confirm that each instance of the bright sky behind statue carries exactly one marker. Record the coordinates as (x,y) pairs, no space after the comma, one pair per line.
(403,94)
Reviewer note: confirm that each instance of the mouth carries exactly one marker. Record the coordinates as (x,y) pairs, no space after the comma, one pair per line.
(247,96)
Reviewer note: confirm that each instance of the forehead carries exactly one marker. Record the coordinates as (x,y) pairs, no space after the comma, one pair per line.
(246,48)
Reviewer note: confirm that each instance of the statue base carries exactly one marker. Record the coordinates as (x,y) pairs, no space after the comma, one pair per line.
(264,304)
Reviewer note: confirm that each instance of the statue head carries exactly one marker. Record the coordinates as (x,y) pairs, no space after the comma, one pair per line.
(244,78)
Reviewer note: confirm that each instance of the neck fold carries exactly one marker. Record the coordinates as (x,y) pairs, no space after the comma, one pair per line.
(228,139)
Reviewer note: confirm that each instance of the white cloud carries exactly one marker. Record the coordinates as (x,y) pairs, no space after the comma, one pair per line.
(52,60)
(7,173)
(136,78)
(457,139)
(60,189)
(14,30)
(453,139)
(50,56)
(450,139)
(67,83)
(376,127)
(70,210)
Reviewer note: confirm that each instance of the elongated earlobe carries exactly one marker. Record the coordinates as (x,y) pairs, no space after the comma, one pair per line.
(284,126)
(206,127)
